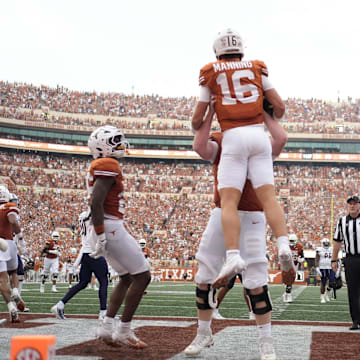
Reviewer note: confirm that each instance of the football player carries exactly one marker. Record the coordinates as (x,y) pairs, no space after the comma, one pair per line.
(51,251)
(252,244)
(239,88)
(9,225)
(324,269)
(16,294)
(106,190)
(297,251)
(88,267)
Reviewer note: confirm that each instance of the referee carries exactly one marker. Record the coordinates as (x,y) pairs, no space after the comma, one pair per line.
(348,231)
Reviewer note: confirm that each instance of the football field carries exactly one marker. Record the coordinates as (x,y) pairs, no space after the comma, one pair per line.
(166,320)
(178,300)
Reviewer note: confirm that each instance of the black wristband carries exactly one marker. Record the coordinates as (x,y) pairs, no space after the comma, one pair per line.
(333,261)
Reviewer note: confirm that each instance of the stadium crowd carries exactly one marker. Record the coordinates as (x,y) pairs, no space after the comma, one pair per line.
(162,199)
(153,112)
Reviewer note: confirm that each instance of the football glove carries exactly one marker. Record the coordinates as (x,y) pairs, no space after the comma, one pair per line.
(99,247)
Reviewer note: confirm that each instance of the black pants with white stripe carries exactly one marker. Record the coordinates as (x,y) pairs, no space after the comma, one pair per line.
(352,275)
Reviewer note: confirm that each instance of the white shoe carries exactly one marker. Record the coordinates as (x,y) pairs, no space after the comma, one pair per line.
(53,289)
(104,332)
(285,258)
(252,316)
(267,351)
(96,288)
(26,309)
(128,338)
(201,341)
(322,299)
(70,286)
(14,316)
(233,265)
(216,315)
(327,297)
(287,297)
(59,313)
(42,288)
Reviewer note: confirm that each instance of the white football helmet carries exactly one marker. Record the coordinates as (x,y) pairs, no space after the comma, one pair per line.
(107,141)
(228,42)
(142,243)
(293,239)
(14,199)
(55,236)
(4,194)
(325,243)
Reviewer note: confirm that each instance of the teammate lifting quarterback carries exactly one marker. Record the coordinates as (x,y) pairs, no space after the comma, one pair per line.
(239,88)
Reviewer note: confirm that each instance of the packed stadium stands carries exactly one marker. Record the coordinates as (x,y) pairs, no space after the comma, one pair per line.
(162,195)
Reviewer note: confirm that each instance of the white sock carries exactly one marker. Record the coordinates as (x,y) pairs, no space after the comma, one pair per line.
(15,292)
(108,320)
(20,286)
(204,325)
(231,253)
(264,330)
(60,305)
(283,241)
(125,326)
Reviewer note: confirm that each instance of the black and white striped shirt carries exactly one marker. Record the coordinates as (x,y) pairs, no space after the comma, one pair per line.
(348,230)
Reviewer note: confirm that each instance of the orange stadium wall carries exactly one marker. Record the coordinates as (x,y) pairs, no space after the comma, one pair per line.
(177,273)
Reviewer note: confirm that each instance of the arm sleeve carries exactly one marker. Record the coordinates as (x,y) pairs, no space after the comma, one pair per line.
(205,94)
(266,83)
(338,233)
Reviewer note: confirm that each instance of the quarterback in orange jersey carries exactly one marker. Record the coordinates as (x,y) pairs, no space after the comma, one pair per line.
(238,88)
(51,251)
(251,242)
(106,191)
(9,225)
(297,251)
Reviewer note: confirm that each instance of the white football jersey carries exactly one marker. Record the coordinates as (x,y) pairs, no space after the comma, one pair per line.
(88,235)
(325,257)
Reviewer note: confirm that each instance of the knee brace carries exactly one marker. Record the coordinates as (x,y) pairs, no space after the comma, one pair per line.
(210,301)
(254,299)
(54,276)
(21,277)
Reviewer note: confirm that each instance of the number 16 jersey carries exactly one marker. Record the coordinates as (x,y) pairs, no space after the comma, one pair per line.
(238,88)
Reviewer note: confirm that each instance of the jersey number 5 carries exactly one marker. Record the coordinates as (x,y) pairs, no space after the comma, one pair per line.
(239,89)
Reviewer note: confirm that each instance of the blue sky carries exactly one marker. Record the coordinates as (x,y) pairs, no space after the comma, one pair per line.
(311,48)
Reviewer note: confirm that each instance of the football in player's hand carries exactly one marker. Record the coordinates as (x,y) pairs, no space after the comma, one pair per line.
(288,277)
(268,107)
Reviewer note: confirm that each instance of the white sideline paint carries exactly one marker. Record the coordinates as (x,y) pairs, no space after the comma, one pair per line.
(279,306)
(241,342)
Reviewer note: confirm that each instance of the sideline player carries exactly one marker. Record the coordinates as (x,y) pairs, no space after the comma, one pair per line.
(51,261)
(297,251)
(9,225)
(18,276)
(105,186)
(239,88)
(251,242)
(324,269)
(88,267)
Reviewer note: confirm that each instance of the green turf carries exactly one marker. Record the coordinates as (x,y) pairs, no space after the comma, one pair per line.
(178,299)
